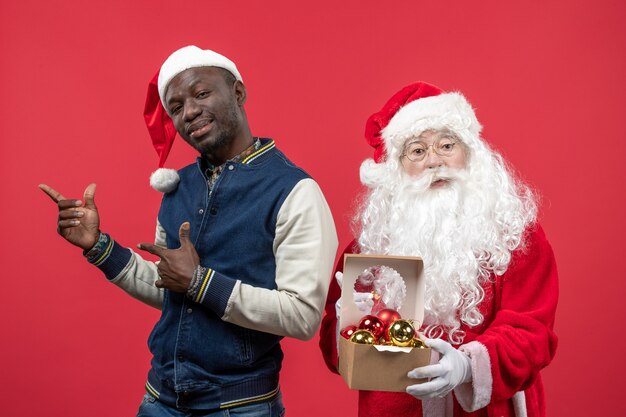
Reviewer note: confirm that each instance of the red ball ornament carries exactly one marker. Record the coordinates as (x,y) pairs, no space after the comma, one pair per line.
(373,324)
(388,316)
(348,331)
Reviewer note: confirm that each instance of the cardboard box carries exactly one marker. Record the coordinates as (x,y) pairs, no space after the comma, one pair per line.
(374,367)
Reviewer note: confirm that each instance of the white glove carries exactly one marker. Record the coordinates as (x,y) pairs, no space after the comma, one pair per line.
(454,368)
(339,278)
(363,300)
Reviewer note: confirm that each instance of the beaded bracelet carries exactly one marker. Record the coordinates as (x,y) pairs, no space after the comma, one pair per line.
(196,280)
(93,253)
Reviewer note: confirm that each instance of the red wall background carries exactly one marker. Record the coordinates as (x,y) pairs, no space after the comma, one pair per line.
(546,78)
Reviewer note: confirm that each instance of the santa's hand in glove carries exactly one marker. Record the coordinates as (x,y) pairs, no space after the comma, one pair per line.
(453,369)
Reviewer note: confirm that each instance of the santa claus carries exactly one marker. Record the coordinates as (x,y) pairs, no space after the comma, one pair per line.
(436,190)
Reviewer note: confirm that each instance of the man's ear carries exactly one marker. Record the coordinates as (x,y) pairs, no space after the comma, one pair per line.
(240,92)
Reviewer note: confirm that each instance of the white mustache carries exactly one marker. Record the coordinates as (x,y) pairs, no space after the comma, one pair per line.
(446,174)
(424,181)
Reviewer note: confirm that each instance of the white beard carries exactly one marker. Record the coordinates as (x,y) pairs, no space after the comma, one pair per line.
(455,229)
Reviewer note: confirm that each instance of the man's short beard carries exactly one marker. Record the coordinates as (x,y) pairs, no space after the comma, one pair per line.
(228,130)
(465,231)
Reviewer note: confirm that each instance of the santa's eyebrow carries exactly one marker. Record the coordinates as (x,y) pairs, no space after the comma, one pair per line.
(412,141)
(420,137)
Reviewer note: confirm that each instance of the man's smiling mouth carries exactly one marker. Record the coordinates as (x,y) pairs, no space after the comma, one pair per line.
(200,128)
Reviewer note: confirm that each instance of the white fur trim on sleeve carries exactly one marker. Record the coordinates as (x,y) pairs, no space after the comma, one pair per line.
(476,394)
(519,404)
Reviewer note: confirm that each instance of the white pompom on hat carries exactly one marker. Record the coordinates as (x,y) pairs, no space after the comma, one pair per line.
(160,125)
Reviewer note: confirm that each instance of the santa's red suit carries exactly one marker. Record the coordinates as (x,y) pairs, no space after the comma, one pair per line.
(513,343)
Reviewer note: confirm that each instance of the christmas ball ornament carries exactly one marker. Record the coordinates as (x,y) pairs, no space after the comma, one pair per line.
(373,324)
(348,331)
(418,343)
(362,337)
(388,316)
(401,333)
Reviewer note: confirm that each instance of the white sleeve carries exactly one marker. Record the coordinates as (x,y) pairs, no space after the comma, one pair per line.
(305,244)
(138,277)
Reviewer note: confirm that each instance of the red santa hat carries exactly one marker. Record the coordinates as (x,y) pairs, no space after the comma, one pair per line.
(160,125)
(412,110)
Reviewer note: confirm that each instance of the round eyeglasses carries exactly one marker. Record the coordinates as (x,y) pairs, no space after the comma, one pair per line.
(444,145)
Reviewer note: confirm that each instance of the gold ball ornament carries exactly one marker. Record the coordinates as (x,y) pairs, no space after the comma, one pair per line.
(418,343)
(363,337)
(401,333)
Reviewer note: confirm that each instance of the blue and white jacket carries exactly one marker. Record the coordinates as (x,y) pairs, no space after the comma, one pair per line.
(267,237)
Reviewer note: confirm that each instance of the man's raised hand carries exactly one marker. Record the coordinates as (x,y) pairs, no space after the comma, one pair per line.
(177,266)
(78,222)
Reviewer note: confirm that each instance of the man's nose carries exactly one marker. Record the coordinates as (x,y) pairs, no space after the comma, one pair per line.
(192,110)
(433,160)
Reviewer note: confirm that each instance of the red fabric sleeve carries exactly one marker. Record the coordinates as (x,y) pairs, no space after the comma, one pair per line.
(328,342)
(520,340)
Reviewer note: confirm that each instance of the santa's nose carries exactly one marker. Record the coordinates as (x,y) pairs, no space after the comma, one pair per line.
(433,160)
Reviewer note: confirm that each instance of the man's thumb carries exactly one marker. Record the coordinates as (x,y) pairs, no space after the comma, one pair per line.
(89,196)
(183,234)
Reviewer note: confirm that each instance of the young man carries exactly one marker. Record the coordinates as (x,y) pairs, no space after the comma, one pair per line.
(246,242)
(436,190)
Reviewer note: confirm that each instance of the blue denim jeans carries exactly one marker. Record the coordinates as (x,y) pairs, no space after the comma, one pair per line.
(151,407)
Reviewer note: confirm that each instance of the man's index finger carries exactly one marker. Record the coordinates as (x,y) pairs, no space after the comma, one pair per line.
(52,193)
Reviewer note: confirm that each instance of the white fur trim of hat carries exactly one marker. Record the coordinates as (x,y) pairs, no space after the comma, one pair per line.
(447,110)
(192,57)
